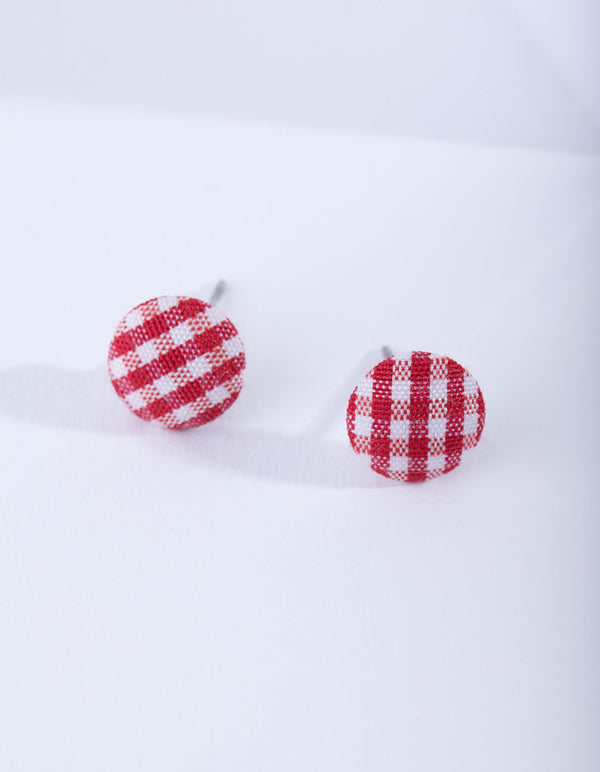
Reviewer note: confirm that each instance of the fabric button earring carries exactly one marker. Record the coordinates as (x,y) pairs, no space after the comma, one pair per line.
(177,361)
(415,416)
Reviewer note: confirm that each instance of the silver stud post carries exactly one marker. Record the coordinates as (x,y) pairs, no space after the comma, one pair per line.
(218,292)
(387,352)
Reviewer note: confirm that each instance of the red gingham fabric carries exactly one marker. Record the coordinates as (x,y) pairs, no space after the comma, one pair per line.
(415,416)
(176,361)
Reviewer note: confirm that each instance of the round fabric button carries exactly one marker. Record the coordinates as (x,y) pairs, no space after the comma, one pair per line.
(415,416)
(176,361)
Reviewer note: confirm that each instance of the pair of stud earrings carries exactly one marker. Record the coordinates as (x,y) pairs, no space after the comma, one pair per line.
(178,361)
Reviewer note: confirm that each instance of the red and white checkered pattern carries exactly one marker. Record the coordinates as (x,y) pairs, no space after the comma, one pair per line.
(176,361)
(415,416)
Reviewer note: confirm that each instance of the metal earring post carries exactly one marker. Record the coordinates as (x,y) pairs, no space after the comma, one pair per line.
(331,410)
(218,292)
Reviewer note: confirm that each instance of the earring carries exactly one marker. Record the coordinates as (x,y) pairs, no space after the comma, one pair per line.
(415,416)
(177,361)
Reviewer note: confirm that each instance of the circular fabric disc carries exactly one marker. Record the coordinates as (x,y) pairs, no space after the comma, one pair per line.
(415,416)
(176,361)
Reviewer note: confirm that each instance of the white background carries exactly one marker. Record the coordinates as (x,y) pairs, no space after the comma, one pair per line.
(248,595)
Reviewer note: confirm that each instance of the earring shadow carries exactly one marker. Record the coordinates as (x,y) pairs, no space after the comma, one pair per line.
(66,399)
(84,401)
(302,459)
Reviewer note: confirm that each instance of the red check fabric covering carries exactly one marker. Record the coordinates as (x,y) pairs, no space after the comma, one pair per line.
(415,416)
(176,361)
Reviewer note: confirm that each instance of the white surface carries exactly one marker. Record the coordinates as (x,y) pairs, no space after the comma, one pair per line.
(248,595)
(523,72)
(566,33)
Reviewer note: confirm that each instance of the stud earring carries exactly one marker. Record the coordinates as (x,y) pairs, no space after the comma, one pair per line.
(177,361)
(415,416)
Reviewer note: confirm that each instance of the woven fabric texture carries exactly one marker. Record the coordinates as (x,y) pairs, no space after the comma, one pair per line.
(415,416)
(176,361)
